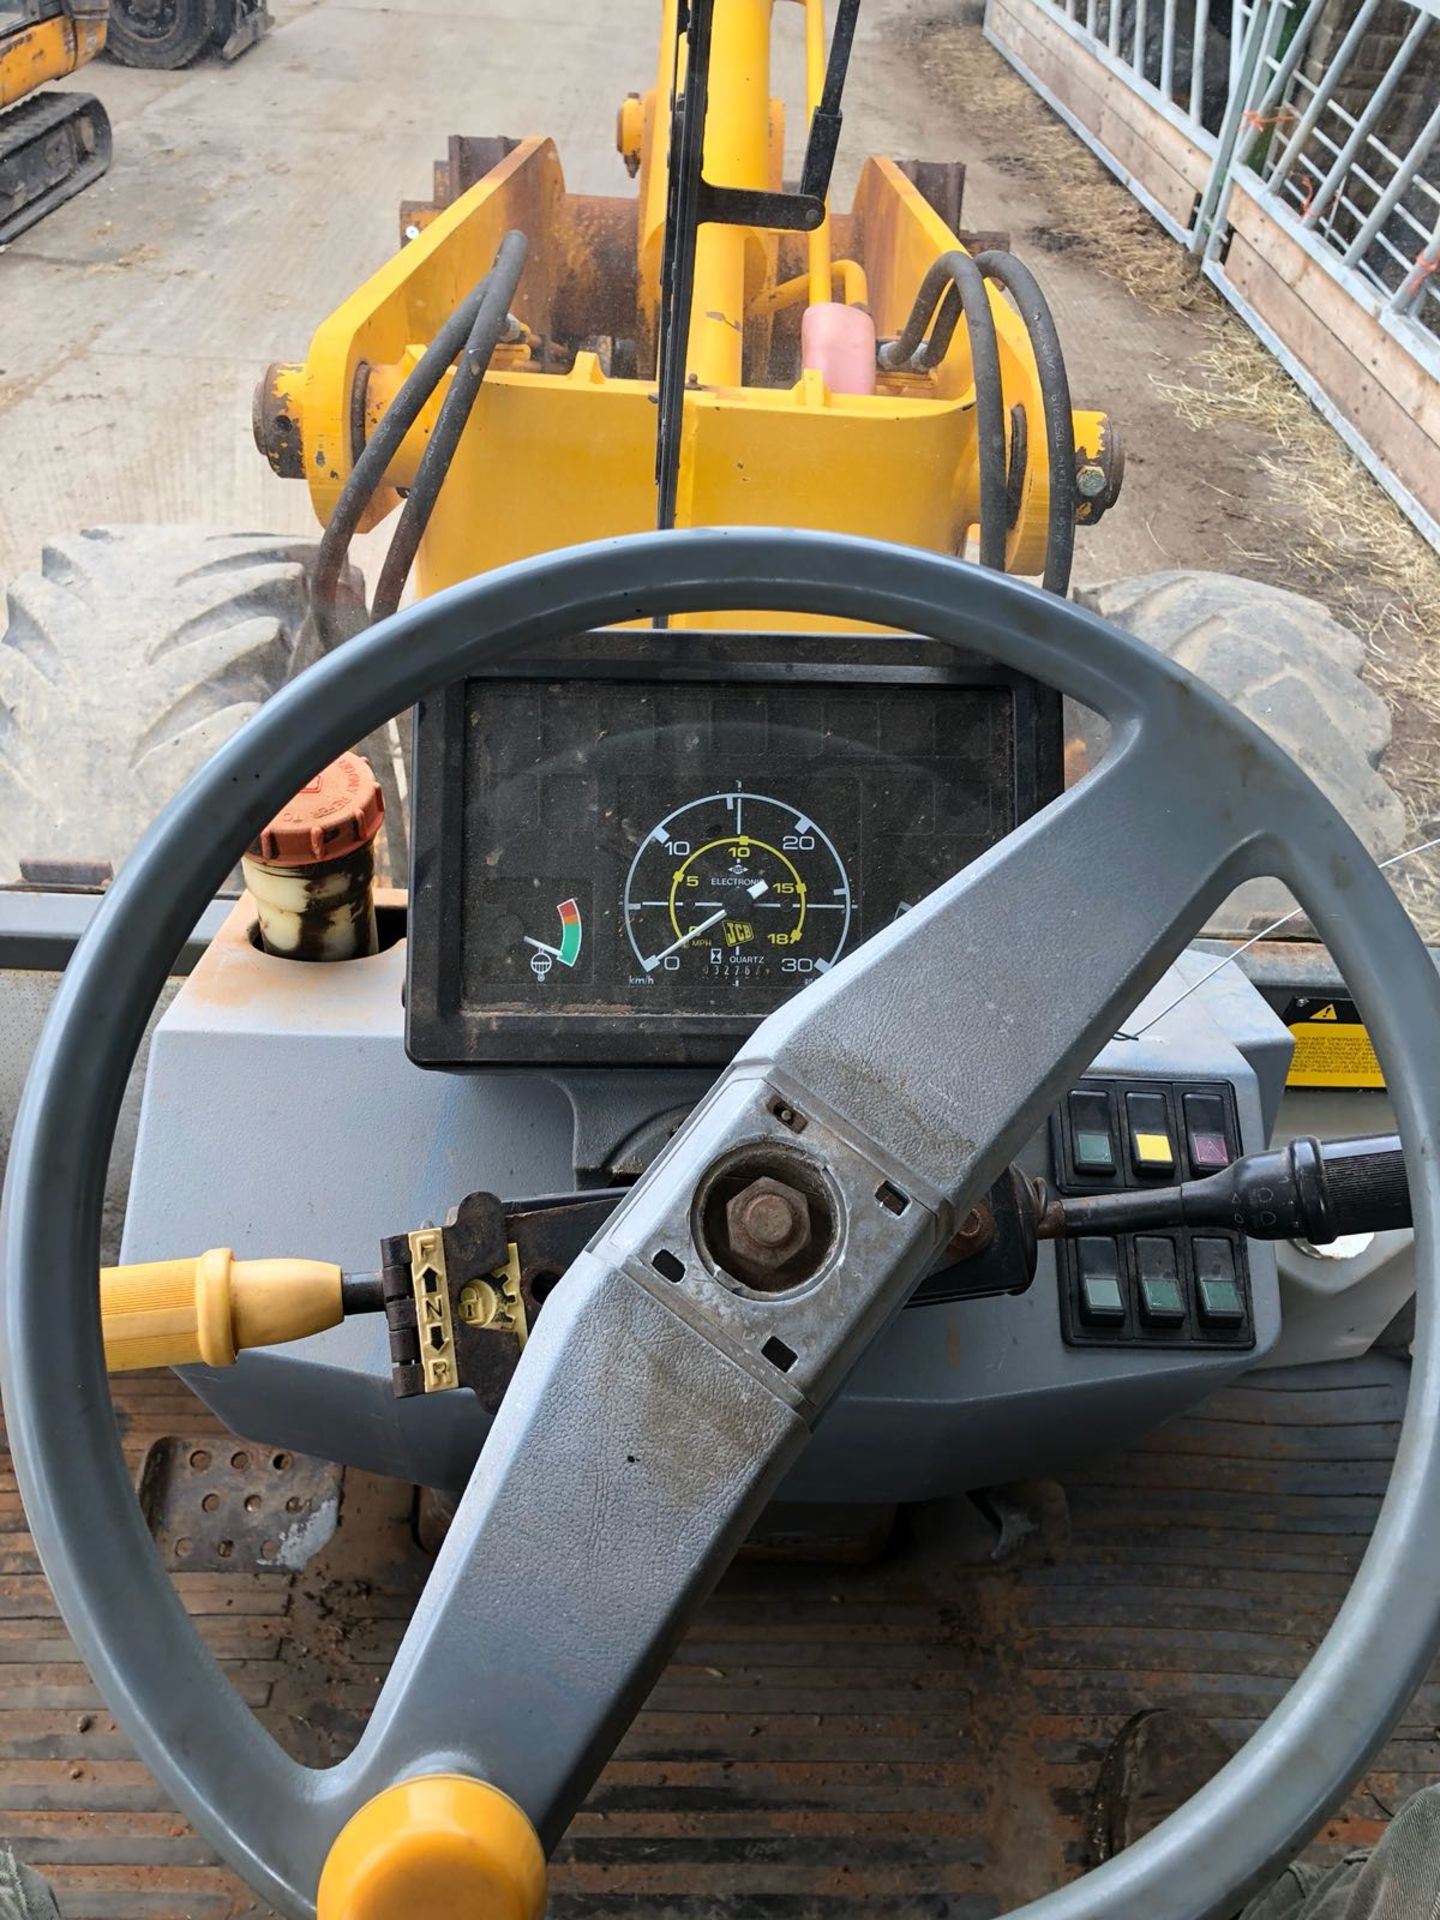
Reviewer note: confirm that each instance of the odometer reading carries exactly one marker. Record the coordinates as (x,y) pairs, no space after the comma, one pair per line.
(738,888)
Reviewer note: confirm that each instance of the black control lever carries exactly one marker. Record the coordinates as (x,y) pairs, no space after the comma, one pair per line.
(1309,1190)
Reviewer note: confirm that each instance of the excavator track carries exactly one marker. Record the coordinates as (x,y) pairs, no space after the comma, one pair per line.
(51,147)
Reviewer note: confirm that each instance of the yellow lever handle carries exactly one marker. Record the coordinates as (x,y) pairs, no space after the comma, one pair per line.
(170,1313)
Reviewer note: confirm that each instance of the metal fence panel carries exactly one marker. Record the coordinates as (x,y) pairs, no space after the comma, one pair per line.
(1167,48)
(1342,132)
(1324,116)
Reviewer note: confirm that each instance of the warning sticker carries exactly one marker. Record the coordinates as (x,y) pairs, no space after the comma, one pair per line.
(1332,1048)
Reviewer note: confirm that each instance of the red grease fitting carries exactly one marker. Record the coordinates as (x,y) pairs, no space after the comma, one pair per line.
(839,342)
(339,811)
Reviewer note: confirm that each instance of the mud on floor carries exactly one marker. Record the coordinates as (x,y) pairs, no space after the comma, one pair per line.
(914,1736)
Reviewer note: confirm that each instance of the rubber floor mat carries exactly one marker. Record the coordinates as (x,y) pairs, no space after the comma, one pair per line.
(916,1736)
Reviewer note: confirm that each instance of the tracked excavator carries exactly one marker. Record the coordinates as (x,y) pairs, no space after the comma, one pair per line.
(52,145)
(55,144)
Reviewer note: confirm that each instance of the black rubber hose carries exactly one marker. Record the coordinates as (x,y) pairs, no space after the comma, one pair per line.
(955,283)
(1034,309)
(489,325)
(381,448)
(896,353)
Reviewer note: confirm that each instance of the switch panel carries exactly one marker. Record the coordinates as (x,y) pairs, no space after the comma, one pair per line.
(1163,1287)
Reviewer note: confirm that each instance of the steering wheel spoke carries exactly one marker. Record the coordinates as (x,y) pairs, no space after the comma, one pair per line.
(949,1035)
(626,1462)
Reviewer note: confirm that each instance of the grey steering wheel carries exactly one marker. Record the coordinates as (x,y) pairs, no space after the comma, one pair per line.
(924,1059)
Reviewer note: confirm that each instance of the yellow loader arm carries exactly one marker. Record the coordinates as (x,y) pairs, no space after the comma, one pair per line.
(560,443)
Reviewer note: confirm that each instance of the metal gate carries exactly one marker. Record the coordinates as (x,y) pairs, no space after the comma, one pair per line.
(1294,147)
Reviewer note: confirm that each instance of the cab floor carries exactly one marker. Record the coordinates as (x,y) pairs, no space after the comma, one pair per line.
(912,1736)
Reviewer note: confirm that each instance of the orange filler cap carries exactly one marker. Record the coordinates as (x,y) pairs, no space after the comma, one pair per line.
(338,812)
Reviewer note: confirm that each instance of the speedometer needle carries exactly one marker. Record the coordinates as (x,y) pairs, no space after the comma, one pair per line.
(754,890)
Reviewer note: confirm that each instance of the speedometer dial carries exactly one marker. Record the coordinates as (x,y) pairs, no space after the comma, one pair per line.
(737,887)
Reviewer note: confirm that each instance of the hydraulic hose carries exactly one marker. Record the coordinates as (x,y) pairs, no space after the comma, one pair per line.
(956,280)
(896,353)
(381,448)
(1034,310)
(489,325)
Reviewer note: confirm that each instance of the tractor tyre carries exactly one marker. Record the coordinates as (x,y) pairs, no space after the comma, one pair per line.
(1287,664)
(162,34)
(124,663)
(23,1894)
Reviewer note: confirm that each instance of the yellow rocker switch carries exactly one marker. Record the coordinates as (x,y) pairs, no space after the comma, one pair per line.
(1151,1147)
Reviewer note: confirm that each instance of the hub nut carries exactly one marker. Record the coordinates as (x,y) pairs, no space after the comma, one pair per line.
(768,1223)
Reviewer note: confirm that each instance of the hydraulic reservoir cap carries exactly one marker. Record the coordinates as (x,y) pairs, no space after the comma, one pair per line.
(339,811)
(439,1847)
(311,871)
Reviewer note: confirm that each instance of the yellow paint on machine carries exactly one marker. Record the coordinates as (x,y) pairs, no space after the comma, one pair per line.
(554,454)
(1332,1045)
(46,51)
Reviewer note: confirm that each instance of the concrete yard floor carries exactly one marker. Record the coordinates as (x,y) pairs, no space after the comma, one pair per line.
(246,202)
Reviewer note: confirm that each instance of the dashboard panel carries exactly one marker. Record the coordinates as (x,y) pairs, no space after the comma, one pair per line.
(630,852)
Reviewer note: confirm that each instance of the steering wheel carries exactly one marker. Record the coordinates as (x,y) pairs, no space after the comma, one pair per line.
(658,1401)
